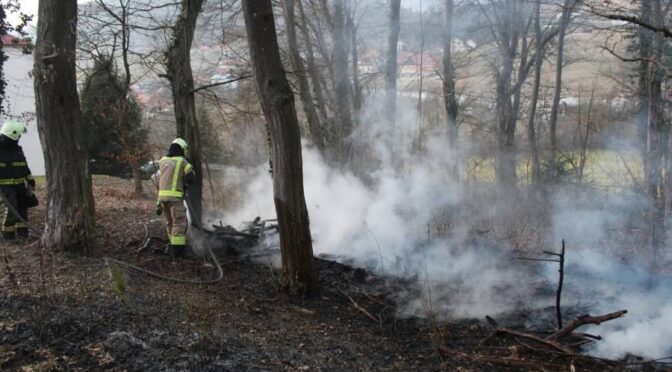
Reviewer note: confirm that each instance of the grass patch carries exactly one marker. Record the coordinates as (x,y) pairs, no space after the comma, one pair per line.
(604,169)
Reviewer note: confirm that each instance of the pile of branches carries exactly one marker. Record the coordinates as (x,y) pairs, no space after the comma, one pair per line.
(563,341)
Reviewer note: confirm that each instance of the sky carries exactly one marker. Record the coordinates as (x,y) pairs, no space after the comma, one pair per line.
(30,6)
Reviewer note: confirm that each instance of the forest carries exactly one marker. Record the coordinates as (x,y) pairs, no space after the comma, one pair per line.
(376,185)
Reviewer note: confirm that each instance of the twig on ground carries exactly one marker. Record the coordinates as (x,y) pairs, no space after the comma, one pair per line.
(550,344)
(587,335)
(303,310)
(361,309)
(370,297)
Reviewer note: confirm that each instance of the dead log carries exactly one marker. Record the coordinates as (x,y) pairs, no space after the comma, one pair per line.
(501,330)
(551,341)
(551,344)
(583,320)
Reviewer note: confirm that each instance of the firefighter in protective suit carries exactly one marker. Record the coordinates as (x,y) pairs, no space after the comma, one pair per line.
(176,174)
(16,181)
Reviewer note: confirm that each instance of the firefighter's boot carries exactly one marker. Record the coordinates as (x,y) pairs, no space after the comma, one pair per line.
(179,251)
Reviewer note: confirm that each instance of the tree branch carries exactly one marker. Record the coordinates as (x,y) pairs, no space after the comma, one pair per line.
(633,20)
(220,84)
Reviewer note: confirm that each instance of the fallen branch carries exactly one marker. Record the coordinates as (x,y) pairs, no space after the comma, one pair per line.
(361,309)
(551,340)
(303,310)
(583,320)
(588,335)
(550,344)
(502,330)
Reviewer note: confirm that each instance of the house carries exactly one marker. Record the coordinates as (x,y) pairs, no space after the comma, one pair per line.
(230,66)
(369,62)
(11,41)
(414,64)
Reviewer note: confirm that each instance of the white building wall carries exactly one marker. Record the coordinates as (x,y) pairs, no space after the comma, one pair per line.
(20,102)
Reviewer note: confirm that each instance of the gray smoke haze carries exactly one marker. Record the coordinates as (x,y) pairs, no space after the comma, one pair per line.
(467,271)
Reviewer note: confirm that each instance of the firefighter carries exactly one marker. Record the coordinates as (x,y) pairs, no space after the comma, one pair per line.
(176,174)
(16,181)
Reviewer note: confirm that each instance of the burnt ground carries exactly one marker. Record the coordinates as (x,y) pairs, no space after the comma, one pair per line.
(63,312)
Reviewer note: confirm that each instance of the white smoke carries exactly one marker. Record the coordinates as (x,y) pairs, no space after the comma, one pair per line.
(388,228)
(601,284)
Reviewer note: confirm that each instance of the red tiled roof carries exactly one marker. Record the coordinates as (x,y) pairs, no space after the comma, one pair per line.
(11,40)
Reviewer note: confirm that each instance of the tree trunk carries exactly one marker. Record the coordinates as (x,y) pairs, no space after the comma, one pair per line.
(137,180)
(314,125)
(553,122)
(508,27)
(314,75)
(390,106)
(645,55)
(418,142)
(357,99)
(3,57)
(70,219)
(178,69)
(449,94)
(277,103)
(657,140)
(506,157)
(343,113)
(531,120)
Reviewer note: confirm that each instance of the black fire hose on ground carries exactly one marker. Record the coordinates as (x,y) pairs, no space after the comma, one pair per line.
(197,223)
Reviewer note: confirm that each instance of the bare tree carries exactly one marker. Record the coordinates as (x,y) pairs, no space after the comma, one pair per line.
(449,94)
(318,84)
(390,107)
(344,123)
(509,25)
(315,126)
(509,22)
(657,138)
(277,102)
(645,36)
(70,218)
(567,8)
(531,120)
(353,27)
(179,73)
(113,23)
(607,10)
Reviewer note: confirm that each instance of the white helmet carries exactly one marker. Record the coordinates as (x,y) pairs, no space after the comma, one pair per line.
(182,143)
(13,129)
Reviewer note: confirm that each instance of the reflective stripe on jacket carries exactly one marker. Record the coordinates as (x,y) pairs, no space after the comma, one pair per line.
(171,182)
(13,167)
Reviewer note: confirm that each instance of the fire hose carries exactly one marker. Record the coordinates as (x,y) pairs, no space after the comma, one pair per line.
(107,260)
(16,214)
(197,222)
